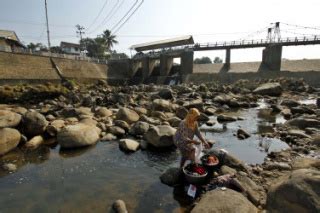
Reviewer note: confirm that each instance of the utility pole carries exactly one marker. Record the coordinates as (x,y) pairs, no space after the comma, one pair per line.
(48,34)
(80,32)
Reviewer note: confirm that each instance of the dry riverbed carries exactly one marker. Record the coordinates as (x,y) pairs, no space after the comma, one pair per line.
(81,147)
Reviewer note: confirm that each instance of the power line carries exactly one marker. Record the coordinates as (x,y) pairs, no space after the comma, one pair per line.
(34,23)
(106,17)
(128,17)
(93,22)
(115,11)
(127,13)
(299,26)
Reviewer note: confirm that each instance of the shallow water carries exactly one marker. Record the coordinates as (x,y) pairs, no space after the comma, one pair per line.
(91,179)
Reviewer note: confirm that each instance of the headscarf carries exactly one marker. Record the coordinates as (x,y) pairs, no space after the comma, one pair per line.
(191,118)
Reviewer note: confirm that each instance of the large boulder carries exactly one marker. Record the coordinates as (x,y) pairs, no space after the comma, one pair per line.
(103,112)
(172,176)
(303,123)
(227,201)
(78,135)
(139,128)
(34,123)
(166,93)
(9,139)
(225,118)
(272,89)
(299,192)
(181,112)
(9,119)
(160,136)
(161,105)
(129,145)
(127,115)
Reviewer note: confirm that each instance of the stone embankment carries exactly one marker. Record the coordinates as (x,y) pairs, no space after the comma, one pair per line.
(146,117)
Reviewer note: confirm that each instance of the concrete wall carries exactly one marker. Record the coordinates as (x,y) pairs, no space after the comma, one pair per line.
(309,70)
(23,68)
(82,71)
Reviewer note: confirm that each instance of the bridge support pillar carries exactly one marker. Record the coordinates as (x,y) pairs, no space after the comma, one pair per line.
(186,63)
(166,63)
(271,57)
(228,60)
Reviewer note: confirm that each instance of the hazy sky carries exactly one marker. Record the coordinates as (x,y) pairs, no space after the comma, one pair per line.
(207,20)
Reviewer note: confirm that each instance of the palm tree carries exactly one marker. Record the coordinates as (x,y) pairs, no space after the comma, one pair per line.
(110,39)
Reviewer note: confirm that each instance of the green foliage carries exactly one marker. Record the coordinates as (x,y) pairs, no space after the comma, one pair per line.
(217,60)
(203,60)
(99,46)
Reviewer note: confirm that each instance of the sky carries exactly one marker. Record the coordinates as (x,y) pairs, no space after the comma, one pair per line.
(207,20)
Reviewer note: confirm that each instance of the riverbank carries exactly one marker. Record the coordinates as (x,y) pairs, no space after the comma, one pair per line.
(72,117)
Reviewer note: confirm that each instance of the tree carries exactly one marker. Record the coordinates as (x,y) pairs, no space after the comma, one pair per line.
(35,47)
(217,60)
(203,60)
(56,49)
(109,39)
(94,47)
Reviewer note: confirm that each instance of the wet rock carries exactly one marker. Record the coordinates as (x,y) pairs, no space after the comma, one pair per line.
(127,115)
(160,115)
(35,142)
(306,163)
(141,110)
(181,112)
(302,110)
(54,127)
(255,192)
(139,128)
(316,140)
(150,120)
(9,167)
(299,192)
(34,123)
(222,99)
(119,206)
(210,123)
(103,112)
(298,133)
(160,136)
(172,176)
(197,103)
(9,139)
(227,201)
(174,121)
(78,135)
(225,118)
(129,145)
(227,170)
(203,118)
(89,122)
(161,105)
(9,119)
(109,137)
(289,103)
(210,111)
(242,134)
(166,94)
(303,123)
(124,125)
(278,166)
(286,114)
(118,131)
(272,89)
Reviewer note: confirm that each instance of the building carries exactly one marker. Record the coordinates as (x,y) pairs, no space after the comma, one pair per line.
(70,48)
(10,42)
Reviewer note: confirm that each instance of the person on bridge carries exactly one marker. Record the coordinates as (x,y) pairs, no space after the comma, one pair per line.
(183,138)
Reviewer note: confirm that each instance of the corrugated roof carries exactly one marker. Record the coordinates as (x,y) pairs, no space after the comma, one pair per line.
(173,42)
(7,34)
(68,44)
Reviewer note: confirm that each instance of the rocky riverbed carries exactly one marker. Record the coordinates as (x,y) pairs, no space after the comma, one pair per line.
(278,119)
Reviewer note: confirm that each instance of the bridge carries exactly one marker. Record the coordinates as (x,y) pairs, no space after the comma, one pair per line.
(184,47)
